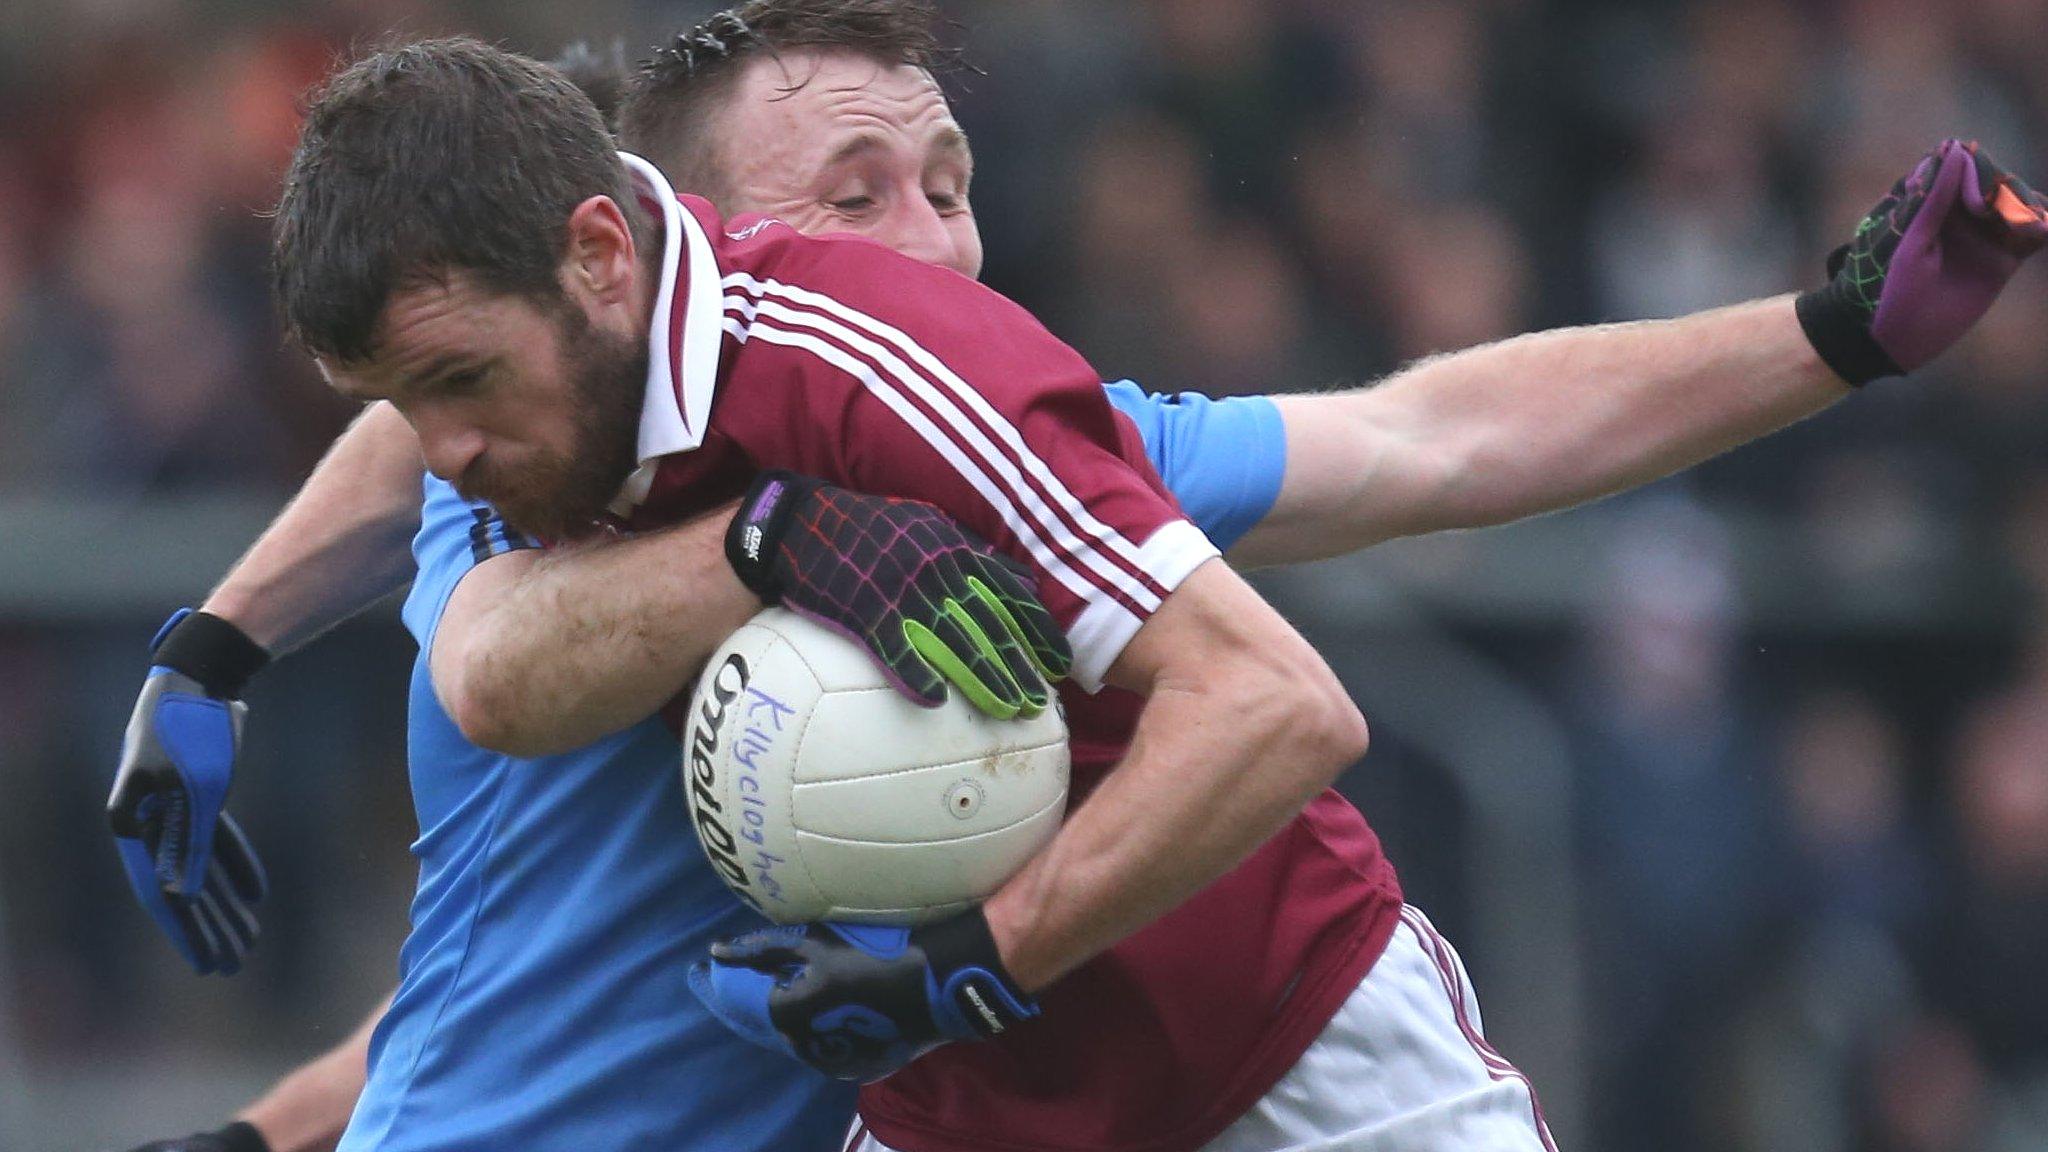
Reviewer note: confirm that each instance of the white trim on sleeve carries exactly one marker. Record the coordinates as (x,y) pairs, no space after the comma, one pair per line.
(1105,627)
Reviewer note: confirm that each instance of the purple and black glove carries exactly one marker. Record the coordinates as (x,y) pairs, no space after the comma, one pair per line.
(929,602)
(1924,265)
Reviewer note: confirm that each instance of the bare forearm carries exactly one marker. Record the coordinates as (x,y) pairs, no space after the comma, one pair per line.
(1538,423)
(1223,757)
(587,640)
(308,1110)
(340,545)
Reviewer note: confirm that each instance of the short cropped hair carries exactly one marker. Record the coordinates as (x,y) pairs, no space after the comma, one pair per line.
(671,106)
(429,159)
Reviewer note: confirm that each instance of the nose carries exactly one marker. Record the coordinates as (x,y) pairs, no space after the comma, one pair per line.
(449,448)
(919,232)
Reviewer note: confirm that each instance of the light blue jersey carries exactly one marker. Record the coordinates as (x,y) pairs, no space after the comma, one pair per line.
(542,1001)
(1222,459)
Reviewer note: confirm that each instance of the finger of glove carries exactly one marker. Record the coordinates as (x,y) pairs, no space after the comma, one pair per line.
(243,871)
(993,621)
(1945,268)
(901,665)
(971,667)
(2008,203)
(142,772)
(739,998)
(771,950)
(139,864)
(230,911)
(1026,617)
(221,949)
(197,734)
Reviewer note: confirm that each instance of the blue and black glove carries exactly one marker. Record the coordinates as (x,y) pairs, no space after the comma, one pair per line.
(856,1001)
(188,862)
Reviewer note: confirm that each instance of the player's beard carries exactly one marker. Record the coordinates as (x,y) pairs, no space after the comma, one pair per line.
(559,497)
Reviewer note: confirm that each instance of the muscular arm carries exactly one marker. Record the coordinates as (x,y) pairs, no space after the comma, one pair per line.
(1534,424)
(308,1109)
(1243,725)
(539,653)
(341,543)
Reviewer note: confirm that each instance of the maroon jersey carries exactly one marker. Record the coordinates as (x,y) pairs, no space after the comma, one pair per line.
(840,359)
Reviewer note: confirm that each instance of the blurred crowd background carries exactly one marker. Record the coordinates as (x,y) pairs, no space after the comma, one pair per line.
(1735,791)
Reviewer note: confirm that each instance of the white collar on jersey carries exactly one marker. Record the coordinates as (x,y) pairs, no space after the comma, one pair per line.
(667,426)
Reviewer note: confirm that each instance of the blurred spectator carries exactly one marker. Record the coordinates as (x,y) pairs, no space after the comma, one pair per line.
(1985,954)
(1697,226)
(1857,857)
(1678,851)
(1928,1092)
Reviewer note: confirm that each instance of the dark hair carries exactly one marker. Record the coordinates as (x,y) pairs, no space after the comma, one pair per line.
(601,74)
(428,159)
(669,110)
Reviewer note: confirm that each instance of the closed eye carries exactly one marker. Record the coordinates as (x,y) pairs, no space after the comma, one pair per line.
(462,380)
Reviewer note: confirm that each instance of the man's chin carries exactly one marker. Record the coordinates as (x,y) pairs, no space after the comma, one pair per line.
(547,522)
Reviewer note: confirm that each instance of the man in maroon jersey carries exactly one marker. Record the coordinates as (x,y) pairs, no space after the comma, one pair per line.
(509,290)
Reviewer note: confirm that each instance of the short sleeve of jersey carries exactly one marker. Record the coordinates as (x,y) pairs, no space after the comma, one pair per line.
(455,536)
(918,382)
(1222,459)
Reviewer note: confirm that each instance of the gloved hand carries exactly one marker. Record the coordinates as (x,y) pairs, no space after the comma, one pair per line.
(928,601)
(858,1002)
(237,1137)
(1924,265)
(189,863)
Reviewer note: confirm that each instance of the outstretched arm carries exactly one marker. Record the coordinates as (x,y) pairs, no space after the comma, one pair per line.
(340,545)
(1544,422)
(1534,424)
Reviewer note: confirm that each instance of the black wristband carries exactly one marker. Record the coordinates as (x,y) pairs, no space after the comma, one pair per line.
(757,528)
(242,1136)
(1840,332)
(965,941)
(213,652)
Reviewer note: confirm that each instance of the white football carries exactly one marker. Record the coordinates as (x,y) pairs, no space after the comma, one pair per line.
(819,792)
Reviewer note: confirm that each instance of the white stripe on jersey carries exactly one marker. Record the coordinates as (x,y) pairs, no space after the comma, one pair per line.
(997,497)
(1099,535)
(1105,625)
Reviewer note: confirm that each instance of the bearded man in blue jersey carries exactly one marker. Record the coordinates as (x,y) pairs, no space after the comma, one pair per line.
(540,1000)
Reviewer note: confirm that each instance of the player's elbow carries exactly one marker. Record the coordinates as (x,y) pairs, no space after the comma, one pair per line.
(1300,706)
(487,715)
(1332,728)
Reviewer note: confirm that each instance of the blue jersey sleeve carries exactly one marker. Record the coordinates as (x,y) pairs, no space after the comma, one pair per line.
(455,536)
(1222,459)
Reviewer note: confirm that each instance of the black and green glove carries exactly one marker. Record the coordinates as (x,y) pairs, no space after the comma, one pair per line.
(931,603)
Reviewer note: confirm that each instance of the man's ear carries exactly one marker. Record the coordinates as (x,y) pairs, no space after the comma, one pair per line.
(600,260)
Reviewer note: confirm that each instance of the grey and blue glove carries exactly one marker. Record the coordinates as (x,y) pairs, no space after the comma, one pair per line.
(1924,265)
(190,865)
(856,1001)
